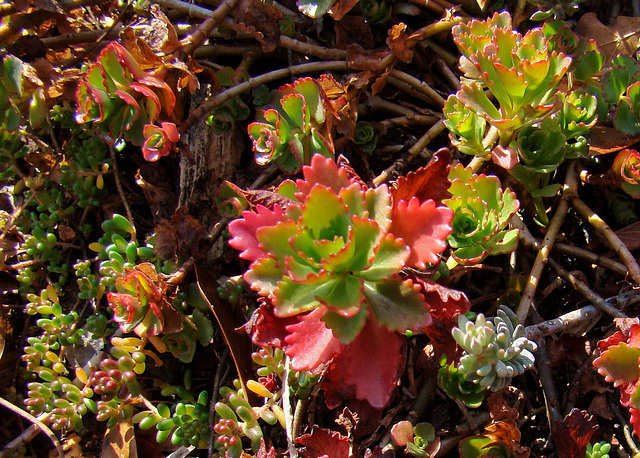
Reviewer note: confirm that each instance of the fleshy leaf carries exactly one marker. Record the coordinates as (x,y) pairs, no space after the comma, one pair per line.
(310,343)
(243,231)
(373,363)
(397,305)
(324,443)
(424,227)
(619,364)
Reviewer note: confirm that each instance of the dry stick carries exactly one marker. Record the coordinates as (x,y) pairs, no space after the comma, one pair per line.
(225,50)
(125,202)
(615,242)
(207,26)
(413,152)
(581,287)
(410,90)
(548,386)
(45,429)
(568,321)
(254,82)
(570,189)
(80,37)
(419,120)
(419,85)
(593,258)
(378,103)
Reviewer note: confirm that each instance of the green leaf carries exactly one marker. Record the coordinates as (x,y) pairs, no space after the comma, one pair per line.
(397,305)
(390,258)
(293,298)
(625,120)
(322,207)
(203,326)
(12,74)
(346,329)
(310,90)
(345,297)
(614,83)
(588,64)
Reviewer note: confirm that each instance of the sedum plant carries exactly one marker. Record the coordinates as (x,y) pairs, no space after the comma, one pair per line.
(520,71)
(295,128)
(121,99)
(495,350)
(139,303)
(481,213)
(330,254)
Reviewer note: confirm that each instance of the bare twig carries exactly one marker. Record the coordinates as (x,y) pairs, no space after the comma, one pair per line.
(528,239)
(570,190)
(204,29)
(418,85)
(123,197)
(610,236)
(252,83)
(44,428)
(413,152)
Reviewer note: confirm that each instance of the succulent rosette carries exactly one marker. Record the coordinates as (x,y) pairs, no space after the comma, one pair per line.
(329,263)
(295,129)
(120,98)
(365,137)
(578,114)
(139,304)
(541,148)
(626,167)
(481,213)
(519,71)
(158,140)
(495,350)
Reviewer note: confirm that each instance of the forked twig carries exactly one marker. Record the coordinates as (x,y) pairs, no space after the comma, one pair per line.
(570,189)
(611,237)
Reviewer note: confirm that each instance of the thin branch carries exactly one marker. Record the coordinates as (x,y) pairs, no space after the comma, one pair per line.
(123,197)
(593,258)
(566,322)
(615,242)
(44,428)
(254,82)
(418,85)
(204,29)
(413,152)
(580,286)
(526,301)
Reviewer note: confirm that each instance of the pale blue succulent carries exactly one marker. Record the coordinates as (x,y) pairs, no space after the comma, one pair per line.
(495,350)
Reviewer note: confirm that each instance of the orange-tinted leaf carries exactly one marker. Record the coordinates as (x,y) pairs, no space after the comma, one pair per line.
(397,42)
(573,433)
(605,140)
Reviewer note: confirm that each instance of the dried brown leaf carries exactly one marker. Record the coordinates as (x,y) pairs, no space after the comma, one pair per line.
(342,7)
(397,42)
(630,235)
(623,37)
(259,20)
(605,140)
(573,433)
(120,441)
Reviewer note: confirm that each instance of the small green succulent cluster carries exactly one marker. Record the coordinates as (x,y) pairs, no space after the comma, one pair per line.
(224,116)
(455,384)
(236,419)
(482,211)
(13,149)
(495,350)
(620,90)
(598,450)
(231,289)
(295,128)
(419,440)
(187,423)
(365,137)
